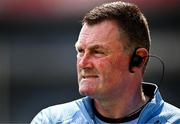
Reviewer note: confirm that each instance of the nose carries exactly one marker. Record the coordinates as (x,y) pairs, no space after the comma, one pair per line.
(84,61)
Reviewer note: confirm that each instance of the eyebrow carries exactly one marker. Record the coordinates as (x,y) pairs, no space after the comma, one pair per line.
(96,46)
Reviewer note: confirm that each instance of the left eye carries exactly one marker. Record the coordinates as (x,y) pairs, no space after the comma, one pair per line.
(98,52)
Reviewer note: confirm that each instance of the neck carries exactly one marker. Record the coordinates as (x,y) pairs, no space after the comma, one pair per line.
(122,107)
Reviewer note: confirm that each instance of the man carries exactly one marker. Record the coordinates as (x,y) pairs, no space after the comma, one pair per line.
(112,53)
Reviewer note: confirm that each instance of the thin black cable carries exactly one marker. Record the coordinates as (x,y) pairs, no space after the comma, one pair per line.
(163,68)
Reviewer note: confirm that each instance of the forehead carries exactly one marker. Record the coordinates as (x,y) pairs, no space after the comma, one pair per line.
(105,33)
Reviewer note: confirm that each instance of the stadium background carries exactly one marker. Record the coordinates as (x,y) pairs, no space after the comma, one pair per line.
(38,59)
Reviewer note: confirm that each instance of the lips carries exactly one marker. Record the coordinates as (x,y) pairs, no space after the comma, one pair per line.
(89,76)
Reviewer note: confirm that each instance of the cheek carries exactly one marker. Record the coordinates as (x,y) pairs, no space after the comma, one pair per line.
(112,64)
(104,67)
(121,63)
(113,68)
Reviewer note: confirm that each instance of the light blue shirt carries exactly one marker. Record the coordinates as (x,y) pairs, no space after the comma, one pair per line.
(80,111)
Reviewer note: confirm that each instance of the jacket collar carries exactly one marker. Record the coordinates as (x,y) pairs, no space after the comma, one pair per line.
(155,103)
(149,89)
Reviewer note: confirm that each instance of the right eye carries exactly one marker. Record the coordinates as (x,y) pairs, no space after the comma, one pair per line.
(80,52)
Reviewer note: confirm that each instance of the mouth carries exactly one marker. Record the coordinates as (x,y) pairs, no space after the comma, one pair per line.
(89,76)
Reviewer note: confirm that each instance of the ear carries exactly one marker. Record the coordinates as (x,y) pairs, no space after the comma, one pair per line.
(144,54)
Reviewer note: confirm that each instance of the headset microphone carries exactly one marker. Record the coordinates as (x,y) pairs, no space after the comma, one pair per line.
(136,60)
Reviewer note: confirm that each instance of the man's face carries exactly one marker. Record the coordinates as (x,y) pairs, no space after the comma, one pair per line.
(102,63)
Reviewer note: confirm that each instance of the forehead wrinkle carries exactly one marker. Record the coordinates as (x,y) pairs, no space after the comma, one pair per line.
(89,36)
(96,46)
(94,33)
(92,47)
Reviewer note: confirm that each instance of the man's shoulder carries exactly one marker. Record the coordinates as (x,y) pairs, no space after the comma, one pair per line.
(159,111)
(171,107)
(65,110)
(166,113)
(68,106)
(170,112)
(61,112)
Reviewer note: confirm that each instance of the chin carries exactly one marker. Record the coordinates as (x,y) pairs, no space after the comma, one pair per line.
(85,91)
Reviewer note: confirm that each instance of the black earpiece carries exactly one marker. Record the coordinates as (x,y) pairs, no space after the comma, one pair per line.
(136,60)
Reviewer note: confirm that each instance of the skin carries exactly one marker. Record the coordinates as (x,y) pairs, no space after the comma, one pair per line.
(103,70)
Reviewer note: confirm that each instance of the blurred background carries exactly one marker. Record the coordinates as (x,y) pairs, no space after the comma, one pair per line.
(38,59)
